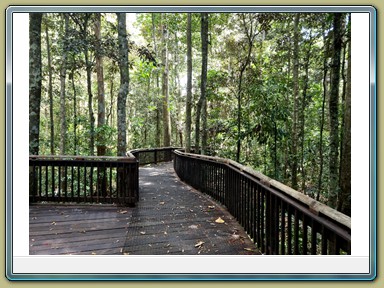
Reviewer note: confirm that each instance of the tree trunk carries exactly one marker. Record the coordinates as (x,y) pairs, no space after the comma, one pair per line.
(321,156)
(251,33)
(35,79)
(124,85)
(109,117)
(158,104)
(178,126)
(197,125)
(334,113)
(303,106)
(101,148)
(63,75)
(75,146)
(52,125)
(344,201)
(189,86)
(90,103)
(165,88)
(204,66)
(295,100)
(100,136)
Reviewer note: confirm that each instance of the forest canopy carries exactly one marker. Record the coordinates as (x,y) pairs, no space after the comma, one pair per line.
(268,90)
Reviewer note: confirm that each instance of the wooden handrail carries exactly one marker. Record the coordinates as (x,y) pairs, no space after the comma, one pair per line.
(274,214)
(314,206)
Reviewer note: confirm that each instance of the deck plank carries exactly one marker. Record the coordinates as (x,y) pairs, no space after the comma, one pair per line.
(170,218)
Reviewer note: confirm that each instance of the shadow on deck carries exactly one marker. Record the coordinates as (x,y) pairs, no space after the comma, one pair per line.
(170,218)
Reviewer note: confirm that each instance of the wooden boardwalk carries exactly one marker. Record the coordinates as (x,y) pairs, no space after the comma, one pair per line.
(170,218)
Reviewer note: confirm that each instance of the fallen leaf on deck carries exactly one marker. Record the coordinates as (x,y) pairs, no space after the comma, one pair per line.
(219,220)
(125,253)
(123,212)
(193,227)
(199,244)
(251,249)
(162,203)
(93,253)
(235,236)
(53,223)
(142,233)
(211,207)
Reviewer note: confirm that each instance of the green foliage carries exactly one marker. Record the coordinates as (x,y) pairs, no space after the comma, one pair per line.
(266,130)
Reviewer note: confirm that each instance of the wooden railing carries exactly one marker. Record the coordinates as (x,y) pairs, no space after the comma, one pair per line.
(279,219)
(84,179)
(153,155)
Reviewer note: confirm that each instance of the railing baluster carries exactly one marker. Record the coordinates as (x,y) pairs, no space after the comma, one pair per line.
(59,184)
(314,238)
(296,233)
(66,182)
(46,183)
(263,221)
(78,182)
(305,235)
(72,180)
(289,230)
(40,181)
(85,184)
(282,240)
(276,225)
(53,182)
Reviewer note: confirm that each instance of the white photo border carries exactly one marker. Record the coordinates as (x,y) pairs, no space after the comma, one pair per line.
(15,161)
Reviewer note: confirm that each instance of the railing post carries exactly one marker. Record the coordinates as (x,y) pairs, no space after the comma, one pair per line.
(155,152)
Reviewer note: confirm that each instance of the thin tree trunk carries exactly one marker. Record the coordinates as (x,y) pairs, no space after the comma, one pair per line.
(100,136)
(303,106)
(344,201)
(251,33)
(75,146)
(321,156)
(158,104)
(124,85)
(286,124)
(295,100)
(204,66)
(35,79)
(239,92)
(101,148)
(197,125)
(165,88)
(189,86)
(63,73)
(343,76)
(334,114)
(109,119)
(90,103)
(52,125)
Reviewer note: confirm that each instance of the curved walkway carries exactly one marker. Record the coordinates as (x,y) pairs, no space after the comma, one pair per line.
(170,218)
